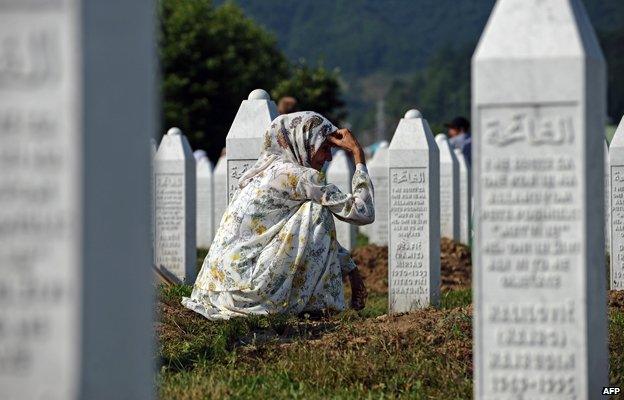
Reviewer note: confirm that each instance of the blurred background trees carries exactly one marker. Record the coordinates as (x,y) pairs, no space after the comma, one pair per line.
(316,89)
(212,57)
(361,62)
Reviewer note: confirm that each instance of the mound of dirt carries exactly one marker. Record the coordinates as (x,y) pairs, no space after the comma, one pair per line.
(456,264)
(446,333)
(372,261)
(616,299)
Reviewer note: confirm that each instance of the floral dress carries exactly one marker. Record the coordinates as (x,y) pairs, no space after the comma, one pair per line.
(276,250)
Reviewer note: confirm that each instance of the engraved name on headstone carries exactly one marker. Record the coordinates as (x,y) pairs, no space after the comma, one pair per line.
(340,173)
(607,194)
(246,135)
(414,216)
(204,201)
(219,181)
(175,179)
(616,207)
(75,288)
(465,198)
(539,293)
(378,169)
(449,189)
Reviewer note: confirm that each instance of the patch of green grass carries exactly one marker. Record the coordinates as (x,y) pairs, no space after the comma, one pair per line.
(616,347)
(350,356)
(455,298)
(376,305)
(201,254)
(361,240)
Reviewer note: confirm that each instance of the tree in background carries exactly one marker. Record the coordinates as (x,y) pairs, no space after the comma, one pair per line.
(212,57)
(440,91)
(316,89)
(612,43)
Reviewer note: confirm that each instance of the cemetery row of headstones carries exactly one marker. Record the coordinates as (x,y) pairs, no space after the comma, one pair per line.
(189,198)
(77,85)
(538,107)
(76,298)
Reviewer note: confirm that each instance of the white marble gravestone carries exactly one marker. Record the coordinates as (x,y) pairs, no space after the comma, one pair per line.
(616,206)
(153,151)
(219,182)
(340,172)
(414,216)
(449,189)
(246,136)
(378,169)
(538,81)
(204,201)
(607,194)
(465,198)
(76,295)
(175,194)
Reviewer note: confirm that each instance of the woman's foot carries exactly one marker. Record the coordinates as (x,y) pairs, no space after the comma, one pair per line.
(358,290)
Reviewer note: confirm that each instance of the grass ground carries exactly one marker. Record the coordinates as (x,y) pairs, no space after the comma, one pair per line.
(354,355)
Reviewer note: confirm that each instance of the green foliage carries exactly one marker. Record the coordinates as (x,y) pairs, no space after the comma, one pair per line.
(455,298)
(441,91)
(612,45)
(376,40)
(316,89)
(211,59)
(361,240)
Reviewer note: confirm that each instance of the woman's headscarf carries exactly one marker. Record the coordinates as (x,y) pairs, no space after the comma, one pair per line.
(293,138)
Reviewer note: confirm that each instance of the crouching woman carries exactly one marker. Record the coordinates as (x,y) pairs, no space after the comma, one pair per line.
(275,250)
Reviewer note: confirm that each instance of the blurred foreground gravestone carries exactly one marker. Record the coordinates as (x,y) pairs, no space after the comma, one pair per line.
(539,289)
(607,194)
(378,170)
(246,135)
(616,217)
(414,221)
(465,198)
(175,194)
(340,173)
(219,184)
(76,113)
(449,189)
(204,202)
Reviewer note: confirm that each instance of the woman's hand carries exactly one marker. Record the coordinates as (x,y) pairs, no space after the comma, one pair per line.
(344,139)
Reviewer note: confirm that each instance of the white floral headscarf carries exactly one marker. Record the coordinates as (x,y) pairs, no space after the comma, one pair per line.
(293,138)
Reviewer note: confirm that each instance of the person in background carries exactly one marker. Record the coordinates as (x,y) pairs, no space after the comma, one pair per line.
(287,105)
(460,137)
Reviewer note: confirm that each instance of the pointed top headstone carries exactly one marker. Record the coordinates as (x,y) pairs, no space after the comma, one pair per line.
(413,216)
(538,106)
(175,207)
(537,29)
(413,132)
(175,131)
(259,94)
(413,113)
(199,154)
(246,136)
(530,50)
(340,173)
(618,136)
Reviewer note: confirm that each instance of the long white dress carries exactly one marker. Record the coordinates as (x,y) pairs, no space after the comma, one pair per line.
(275,250)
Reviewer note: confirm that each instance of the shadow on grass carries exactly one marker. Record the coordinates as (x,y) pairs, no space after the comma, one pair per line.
(187,338)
